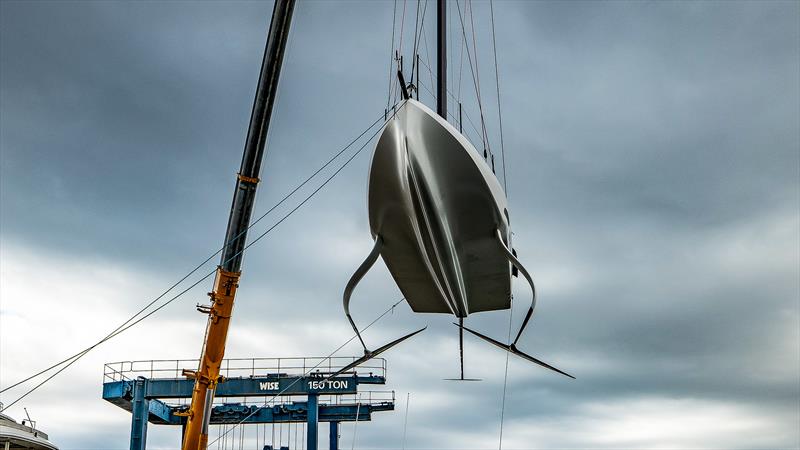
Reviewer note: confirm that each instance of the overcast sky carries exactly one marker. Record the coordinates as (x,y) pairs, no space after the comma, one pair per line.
(653,166)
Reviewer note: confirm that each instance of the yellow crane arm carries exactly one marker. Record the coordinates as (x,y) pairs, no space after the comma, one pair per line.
(207,375)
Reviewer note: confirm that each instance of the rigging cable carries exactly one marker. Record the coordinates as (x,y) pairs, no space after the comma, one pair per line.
(355,426)
(414,48)
(478,78)
(131,322)
(427,54)
(418,34)
(499,110)
(399,54)
(241,437)
(450,93)
(472,70)
(505,187)
(505,376)
(402,28)
(405,420)
(191,272)
(391,56)
(460,67)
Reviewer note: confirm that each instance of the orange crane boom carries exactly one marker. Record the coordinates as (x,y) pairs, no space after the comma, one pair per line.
(229,270)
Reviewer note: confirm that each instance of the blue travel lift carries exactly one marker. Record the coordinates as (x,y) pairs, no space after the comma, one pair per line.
(145,399)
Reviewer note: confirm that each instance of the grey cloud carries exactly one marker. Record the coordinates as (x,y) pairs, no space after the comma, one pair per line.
(653,166)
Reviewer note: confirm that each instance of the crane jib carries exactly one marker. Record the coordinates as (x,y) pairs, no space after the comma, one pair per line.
(229,270)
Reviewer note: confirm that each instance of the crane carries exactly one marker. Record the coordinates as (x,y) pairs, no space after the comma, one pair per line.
(226,281)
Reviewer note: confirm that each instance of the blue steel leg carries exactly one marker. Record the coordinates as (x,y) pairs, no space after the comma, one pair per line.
(313,421)
(141,409)
(335,435)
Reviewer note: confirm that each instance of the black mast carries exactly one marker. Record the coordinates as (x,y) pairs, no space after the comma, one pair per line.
(441,56)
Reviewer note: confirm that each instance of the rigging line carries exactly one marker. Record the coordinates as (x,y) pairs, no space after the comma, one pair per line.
(460,67)
(499,110)
(469,57)
(163,294)
(478,75)
(330,355)
(415,56)
(464,43)
(427,56)
(450,93)
(421,31)
(355,427)
(391,55)
(262,235)
(402,27)
(505,377)
(241,437)
(466,132)
(405,420)
(414,48)
(425,86)
(116,329)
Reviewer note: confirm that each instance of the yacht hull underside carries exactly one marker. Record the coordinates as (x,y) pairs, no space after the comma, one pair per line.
(437,205)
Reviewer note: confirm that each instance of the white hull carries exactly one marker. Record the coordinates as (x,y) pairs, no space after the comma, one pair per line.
(437,206)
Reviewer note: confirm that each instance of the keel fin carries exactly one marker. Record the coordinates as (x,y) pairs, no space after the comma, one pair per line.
(461,353)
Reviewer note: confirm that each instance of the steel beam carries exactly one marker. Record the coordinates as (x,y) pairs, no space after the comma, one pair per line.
(241,387)
(292,413)
(122,393)
(313,422)
(334,436)
(141,413)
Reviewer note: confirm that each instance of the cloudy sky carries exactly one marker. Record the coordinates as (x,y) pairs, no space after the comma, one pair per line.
(653,154)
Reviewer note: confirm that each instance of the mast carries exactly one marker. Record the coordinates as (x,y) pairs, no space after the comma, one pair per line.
(441,56)
(229,269)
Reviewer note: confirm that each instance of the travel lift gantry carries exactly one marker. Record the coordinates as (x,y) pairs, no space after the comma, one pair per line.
(155,392)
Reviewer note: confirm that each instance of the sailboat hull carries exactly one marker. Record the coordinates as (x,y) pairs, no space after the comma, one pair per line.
(437,205)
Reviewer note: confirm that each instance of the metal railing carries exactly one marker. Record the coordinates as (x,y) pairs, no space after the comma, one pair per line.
(240,367)
(373,398)
(364,398)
